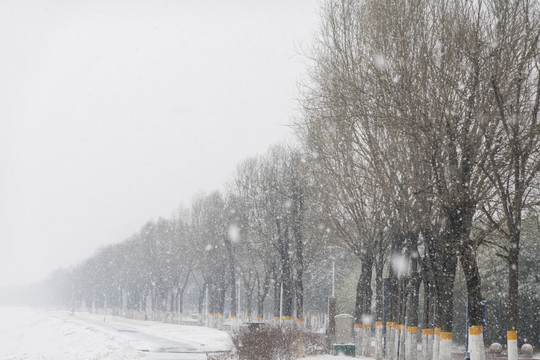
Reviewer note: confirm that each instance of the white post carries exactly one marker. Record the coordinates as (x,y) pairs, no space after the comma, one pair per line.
(281,304)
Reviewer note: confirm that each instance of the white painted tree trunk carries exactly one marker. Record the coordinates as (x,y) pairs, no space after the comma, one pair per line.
(358,338)
(424,347)
(149,306)
(124,303)
(436,343)
(476,343)
(402,339)
(427,344)
(445,346)
(397,343)
(366,339)
(430,346)
(234,322)
(512,345)
(379,346)
(412,339)
(390,337)
(288,322)
(219,321)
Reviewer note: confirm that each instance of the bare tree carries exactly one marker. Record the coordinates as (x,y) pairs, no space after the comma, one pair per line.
(515,88)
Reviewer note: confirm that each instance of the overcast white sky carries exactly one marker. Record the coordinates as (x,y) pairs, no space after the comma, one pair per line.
(113,113)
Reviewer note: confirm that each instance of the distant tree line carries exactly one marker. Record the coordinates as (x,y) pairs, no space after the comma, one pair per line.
(263,234)
(419,150)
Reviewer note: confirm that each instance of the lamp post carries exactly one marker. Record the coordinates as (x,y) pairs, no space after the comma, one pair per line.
(333,258)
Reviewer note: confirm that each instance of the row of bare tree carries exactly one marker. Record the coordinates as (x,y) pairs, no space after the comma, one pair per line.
(419,144)
(256,240)
(422,120)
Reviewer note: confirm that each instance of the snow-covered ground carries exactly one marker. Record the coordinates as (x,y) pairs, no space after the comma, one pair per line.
(331,357)
(39,334)
(32,334)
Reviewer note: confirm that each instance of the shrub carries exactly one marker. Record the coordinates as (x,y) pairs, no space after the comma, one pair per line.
(273,343)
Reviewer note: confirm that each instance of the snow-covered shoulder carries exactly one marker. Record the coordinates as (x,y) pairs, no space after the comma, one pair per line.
(39,334)
(332,357)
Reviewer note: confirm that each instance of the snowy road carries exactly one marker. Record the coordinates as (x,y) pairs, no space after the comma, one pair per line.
(163,341)
(38,334)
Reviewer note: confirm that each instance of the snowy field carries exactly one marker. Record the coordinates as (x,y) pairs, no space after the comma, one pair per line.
(39,334)
(331,357)
(35,334)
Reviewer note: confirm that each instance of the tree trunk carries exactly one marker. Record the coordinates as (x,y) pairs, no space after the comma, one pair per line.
(513,296)
(262,291)
(298,208)
(362,314)
(474,299)
(446,307)
(436,325)
(427,320)
(283,248)
(201,298)
(379,303)
(232,277)
(412,316)
(222,290)
(249,299)
(277,295)
(402,331)
(393,316)
(181,292)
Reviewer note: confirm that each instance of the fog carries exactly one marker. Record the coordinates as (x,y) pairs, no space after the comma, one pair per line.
(113,114)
